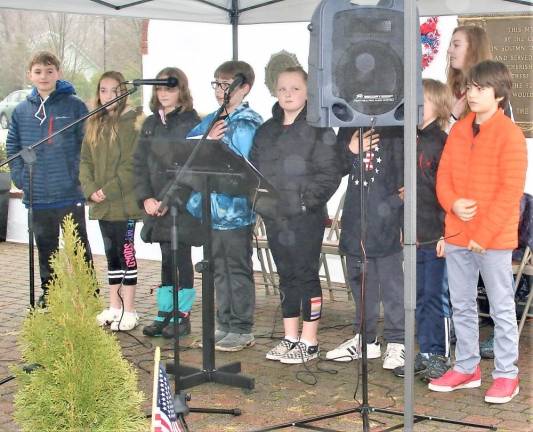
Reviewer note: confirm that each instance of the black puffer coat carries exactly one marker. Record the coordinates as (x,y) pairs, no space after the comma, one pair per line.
(157,153)
(383,176)
(300,161)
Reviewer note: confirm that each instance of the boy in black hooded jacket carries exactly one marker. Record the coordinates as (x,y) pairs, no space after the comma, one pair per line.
(383,189)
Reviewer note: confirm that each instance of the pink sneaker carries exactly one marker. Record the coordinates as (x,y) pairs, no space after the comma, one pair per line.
(502,390)
(453,380)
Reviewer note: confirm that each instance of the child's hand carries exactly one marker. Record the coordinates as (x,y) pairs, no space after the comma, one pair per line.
(218,130)
(151,206)
(465,209)
(367,143)
(98,196)
(476,247)
(458,107)
(440,247)
(401,193)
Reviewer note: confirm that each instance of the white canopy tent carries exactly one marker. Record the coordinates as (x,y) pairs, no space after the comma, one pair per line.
(238,12)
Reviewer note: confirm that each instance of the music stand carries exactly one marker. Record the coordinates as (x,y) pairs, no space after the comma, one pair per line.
(212,167)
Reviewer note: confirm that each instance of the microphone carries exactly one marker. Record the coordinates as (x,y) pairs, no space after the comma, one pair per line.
(167,82)
(238,81)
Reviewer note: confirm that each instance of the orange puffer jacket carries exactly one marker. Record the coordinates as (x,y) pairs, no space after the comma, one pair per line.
(489,168)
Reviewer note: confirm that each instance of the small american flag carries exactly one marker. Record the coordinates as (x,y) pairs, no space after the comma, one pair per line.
(164,418)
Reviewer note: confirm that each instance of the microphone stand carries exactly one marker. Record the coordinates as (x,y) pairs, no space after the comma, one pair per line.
(29,156)
(228,374)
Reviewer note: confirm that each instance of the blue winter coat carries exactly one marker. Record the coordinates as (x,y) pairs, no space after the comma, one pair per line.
(229,211)
(56,170)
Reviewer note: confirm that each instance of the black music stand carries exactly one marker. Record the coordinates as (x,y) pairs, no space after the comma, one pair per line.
(213,167)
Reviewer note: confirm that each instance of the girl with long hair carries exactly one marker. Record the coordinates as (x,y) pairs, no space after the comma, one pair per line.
(106,176)
(469,46)
(157,152)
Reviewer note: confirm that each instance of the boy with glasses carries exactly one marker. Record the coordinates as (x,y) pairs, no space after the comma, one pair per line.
(232,215)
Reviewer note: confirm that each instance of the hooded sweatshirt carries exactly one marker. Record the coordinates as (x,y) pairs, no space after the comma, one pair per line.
(56,169)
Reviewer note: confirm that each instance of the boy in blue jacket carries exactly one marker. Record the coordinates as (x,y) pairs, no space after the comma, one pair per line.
(232,215)
(56,189)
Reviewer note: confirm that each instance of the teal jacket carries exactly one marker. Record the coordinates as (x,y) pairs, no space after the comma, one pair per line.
(229,211)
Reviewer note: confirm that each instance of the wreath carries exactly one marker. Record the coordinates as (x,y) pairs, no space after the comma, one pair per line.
(430,37)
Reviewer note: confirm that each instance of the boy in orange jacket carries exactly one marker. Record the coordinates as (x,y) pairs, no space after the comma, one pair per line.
(479,184)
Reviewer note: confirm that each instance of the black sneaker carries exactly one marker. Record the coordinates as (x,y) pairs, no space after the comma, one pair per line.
(437,366)
(421,362)
(184,328)
(42,302)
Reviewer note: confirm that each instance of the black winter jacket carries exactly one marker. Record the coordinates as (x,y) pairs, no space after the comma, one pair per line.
(156,155)
(300,161)
(429,213)
(383,176)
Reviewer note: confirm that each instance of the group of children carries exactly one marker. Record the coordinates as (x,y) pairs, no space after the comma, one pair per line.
(468,194)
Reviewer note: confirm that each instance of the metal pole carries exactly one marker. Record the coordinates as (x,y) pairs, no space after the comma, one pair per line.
(234,20)
(411,71)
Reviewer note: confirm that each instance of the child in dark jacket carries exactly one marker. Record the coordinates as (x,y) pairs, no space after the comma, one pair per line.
(51,105)
(173,116)
(432,298)
(382,186)
(106,176)
(302,163)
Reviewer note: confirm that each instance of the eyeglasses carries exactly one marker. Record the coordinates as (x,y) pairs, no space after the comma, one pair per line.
(221,85)
(167,89)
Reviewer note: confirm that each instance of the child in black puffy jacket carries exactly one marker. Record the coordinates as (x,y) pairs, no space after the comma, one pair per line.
(301,162)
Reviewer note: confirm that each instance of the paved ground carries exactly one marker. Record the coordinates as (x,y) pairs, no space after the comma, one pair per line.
(280,395)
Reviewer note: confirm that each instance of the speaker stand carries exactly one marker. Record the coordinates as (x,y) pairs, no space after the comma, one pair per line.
(364,409)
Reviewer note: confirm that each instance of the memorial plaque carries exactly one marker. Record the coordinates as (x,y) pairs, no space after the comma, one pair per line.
(512,44)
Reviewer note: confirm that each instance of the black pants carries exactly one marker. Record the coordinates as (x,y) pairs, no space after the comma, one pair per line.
(185,270)
(118,237)
(46,225)
(295,243)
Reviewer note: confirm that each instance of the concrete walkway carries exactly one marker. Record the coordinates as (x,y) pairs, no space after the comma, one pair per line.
(280,393)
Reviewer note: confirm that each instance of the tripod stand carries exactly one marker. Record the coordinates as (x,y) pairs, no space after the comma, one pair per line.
(207,161)
(364,408)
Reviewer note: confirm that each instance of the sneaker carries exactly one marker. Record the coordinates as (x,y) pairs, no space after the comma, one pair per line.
(453,380)
(219,335)
(486,348)
(301,353)
(351,350)
(235,342)
(282,348)
(107,316)
(421,363)
(128,322)
(42,301)
(502,390)
(394,356)
(437,366)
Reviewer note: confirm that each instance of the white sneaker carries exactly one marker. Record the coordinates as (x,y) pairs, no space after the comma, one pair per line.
(128,322)
(394,356)
(351,350)
(107,316)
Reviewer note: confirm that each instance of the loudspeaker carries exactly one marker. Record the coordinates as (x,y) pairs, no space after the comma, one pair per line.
(356,65)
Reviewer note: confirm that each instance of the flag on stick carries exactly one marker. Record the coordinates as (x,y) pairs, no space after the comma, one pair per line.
(164,418)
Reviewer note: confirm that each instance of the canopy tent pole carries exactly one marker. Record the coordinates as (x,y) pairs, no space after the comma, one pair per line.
(411,70)
(234,21)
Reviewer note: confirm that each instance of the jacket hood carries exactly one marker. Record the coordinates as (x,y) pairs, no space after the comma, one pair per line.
(62,87)
(277,113)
